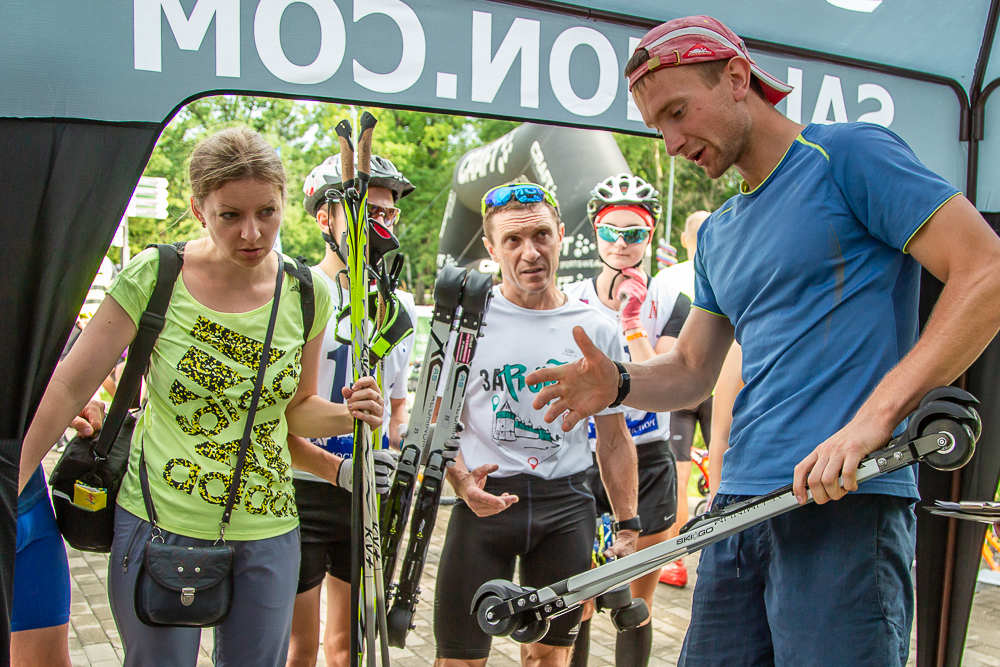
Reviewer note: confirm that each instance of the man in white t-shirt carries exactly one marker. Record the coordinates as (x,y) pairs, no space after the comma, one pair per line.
(325,509)
(522,485)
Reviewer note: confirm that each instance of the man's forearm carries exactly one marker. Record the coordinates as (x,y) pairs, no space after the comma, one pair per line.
(684,376)
(617,461)
(964,321)
(667,383)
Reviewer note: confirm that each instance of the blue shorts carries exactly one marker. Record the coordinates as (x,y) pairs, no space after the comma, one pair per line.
(820,586)
(41,571)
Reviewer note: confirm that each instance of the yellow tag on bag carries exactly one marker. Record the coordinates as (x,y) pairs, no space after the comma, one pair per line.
(89,497)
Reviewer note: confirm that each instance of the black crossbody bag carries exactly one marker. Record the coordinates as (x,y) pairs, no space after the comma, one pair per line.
(86,480)
(182,586)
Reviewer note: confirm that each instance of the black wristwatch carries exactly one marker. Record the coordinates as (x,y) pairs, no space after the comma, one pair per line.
(629,524)
(624,384)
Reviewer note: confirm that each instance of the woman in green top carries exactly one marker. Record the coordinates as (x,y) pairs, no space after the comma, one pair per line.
(198,387)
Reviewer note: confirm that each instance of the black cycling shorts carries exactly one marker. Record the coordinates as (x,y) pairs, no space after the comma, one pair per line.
(551,530)
(682,425)
(325,526)
(657,487)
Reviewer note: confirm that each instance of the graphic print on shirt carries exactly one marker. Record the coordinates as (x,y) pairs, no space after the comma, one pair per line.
(512,432)
(209,374)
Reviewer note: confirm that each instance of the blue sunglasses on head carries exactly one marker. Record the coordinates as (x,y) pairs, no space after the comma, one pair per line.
(526,193)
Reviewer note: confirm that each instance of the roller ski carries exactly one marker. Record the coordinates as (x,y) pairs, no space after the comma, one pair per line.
(475,298)
(447,297)
(942,432)
(367,600)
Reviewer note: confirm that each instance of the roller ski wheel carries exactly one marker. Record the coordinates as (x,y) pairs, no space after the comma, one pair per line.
(616,598)
(530,632)
(494,627)
(957,450)
(491,594)
(399,622)
(631,616)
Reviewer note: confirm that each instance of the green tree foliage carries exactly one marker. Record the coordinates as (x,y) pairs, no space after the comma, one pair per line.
(424,146)
(693,190)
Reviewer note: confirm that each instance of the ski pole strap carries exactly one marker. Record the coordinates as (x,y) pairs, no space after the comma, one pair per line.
(394,328)
(141,348)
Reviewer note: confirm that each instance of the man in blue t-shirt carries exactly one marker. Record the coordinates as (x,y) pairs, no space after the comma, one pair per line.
(814,268)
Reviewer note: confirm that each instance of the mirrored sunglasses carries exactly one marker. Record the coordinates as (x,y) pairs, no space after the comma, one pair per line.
(611,234)
(389,214)
(526,193)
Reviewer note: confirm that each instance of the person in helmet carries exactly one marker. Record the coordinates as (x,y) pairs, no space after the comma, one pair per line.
(325,509)
(648,315)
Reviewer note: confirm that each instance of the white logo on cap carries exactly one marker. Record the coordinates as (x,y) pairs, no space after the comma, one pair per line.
(699,50)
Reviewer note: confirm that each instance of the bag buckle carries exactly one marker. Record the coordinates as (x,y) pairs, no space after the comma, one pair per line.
(187,596)
(222,534)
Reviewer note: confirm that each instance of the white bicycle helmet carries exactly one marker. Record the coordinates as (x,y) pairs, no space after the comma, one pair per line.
(327,176)
(624,189)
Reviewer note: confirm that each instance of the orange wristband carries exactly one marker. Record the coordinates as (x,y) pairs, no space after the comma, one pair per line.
(637,334)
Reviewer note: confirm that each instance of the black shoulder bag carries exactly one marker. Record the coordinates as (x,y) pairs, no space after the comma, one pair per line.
(183,586)
(86,480)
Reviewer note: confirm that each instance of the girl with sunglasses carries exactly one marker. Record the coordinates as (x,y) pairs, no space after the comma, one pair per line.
(649,314)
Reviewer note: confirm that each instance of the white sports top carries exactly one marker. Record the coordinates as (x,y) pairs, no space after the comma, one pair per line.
(663,313)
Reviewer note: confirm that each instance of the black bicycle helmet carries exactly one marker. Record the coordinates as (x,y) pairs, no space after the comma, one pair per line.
(327,176)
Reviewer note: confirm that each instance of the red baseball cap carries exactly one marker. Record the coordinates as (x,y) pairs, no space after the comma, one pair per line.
(700,39)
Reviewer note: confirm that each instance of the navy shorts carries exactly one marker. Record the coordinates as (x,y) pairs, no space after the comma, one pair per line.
(820,586)
(41,571)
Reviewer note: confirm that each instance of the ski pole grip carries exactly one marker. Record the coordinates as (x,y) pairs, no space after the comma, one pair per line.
(343,131)
(367,127)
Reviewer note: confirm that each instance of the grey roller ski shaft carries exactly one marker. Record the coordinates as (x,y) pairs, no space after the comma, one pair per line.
(942,431)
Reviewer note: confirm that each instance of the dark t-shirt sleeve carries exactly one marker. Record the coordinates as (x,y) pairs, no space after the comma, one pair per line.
(682,306)
(889,190)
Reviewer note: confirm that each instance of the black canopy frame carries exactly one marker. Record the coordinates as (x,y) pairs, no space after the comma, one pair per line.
(67,183)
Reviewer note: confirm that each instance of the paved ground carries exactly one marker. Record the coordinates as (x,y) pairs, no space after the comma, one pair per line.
(94,641)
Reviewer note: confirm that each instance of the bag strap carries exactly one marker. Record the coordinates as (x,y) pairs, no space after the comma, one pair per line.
(141,348)
(301,272)
(265,357)
(234,483)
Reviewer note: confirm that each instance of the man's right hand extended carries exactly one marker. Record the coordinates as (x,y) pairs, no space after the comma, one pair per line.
(470,489)
(580,389)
